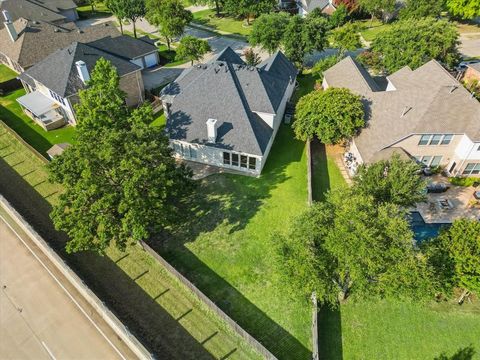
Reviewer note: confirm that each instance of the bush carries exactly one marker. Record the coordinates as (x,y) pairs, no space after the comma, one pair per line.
(461,181)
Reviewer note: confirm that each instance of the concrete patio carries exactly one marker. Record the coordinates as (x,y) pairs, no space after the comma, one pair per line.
(459,197)
(201,171)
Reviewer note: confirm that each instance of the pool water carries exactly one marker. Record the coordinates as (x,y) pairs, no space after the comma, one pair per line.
(423,231)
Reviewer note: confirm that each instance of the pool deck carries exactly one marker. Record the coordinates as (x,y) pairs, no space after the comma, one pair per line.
(459,196)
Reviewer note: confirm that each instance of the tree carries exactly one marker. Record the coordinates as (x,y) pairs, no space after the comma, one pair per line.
(351,247)
(391,181)
(170,16)
(377,7)
(346,38)
(418,9)
(251,57)
(93,4)
(192,48)
(268,31)
(247,8)
(371,60)
(119,9)
(332,115)
(216,3)
(121,183)
(414,42)
(302,36)
(324,64)
(339,17)
(465,9)
(455,254)
(134,10)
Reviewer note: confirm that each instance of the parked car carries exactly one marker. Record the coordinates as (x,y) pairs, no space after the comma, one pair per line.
(437,188)
(476,194)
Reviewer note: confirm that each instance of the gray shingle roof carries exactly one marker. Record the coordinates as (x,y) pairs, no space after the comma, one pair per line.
(231,92)
(436,103)
(124,46)
(37,40)
(58,71)
(32,10)
(310,5)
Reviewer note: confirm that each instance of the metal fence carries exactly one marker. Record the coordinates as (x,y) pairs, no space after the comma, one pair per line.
(211,305)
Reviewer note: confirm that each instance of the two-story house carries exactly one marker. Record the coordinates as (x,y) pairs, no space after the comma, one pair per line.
(425,114)
(226,113)
(53,84)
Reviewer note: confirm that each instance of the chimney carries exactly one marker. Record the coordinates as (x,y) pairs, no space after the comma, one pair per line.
(9,26)
(212,130)
(82,71)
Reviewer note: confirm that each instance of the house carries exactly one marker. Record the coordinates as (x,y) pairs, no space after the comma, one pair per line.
(226,113)
(307,6)
(53,84)
(425,114)
(51,11)
(24,43)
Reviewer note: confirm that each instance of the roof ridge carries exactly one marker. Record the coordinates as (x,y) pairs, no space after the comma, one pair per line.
(360,73)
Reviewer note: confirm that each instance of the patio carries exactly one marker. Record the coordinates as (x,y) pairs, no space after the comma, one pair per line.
(446,207)
(42,109)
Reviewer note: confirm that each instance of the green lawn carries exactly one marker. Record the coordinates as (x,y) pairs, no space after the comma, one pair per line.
(222,24)
(386,330)
(6,73)
(85,11)
(370,30)
(168,314)
(11,113)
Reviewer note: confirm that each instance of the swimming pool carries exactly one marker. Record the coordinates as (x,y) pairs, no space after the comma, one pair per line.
(422,230)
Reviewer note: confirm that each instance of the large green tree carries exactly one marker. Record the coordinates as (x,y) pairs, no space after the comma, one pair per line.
(418,9)
(121,183)
(465,9)
(332,115)
(215,3)
(119,8)
(170,16)
(192,48)
(134,10)
(346,38)
(268,31)
(377,7)
(391,181)
(350,246)
(249,8)
(414,42)
(455,254)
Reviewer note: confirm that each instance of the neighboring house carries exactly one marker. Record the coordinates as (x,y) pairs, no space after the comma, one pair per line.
(53,84)
(307,6)
(24,43)
(226,113)
(472,73)
(52,11)
(424,114)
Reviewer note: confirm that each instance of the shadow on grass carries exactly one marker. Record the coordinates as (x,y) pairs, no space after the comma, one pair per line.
(234,200)
(466,353)
(330,334)
(157,329)
(320,176)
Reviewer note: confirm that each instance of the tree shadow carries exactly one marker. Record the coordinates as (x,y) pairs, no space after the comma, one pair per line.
(233,200)
(162,334)
(320,175)
(466,353)
(330,334)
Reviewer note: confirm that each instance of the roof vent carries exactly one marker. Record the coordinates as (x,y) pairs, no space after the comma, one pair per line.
(453,88)
(80,31)
(212,130)
(406,110)
(56,30)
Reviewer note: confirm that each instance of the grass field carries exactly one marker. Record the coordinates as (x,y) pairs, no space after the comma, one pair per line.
(222,24)
(11,113)
(85,11)
(370,30)
(164,310)
(6,73)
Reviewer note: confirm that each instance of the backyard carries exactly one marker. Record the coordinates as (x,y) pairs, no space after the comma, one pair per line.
(6,73)
(223,23)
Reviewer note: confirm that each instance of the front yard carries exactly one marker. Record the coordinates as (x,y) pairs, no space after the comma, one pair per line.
(223,24)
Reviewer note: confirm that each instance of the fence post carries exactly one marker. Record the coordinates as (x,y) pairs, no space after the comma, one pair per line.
(315,355)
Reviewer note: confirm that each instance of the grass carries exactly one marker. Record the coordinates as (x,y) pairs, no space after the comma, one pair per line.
(12,114)
(85,12)
(370,30)
(6,73)
(464,181)
(142,286)
(388,330)
(223,24)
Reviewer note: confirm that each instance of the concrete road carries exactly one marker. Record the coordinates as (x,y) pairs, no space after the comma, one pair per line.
(38,318)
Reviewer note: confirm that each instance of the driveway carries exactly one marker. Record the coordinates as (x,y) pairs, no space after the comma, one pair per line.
(470,44)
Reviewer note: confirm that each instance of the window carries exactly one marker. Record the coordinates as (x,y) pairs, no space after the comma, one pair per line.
(234,159)
(478,148)
(193,152)
(436,139)
(226,158)
(178,148)
(426,160)
(446,139)
(472,169)
(243,161)
(252,163)
(436,161)
(424,140)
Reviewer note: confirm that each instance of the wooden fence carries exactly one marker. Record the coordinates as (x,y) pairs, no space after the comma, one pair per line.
(19,138)
(211,305)
(315,355)
(309,173)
